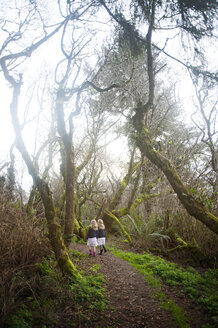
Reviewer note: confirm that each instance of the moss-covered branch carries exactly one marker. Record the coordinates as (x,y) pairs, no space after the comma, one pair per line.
(193,248)
(140,198)
(144,143)
(193,207)
(118,195)
(85,161)
(111,215)
(114,218)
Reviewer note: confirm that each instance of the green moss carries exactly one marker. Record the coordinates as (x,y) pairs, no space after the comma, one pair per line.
(120,212)
(111,215)
(68,267)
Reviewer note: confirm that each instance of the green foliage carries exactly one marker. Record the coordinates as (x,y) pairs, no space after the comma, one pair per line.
(147,231)
(134,224)
(46,305)
(89,289)
(77,239)
(202,288)
(86,223)
(138,263)
(45,266)
(22,318)
(77,254)
(128,37)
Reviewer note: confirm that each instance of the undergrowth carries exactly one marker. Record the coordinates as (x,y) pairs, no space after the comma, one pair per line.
(203,289)
(61,301)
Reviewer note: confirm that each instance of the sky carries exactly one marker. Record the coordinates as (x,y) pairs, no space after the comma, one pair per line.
(6,129)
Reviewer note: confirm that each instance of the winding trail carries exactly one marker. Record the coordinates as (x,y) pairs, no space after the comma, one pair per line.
(131,304)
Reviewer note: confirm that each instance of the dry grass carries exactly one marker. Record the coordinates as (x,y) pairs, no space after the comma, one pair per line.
(23,243)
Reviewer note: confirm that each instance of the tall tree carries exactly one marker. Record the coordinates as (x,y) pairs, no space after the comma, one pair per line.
(15,81)
(180,12)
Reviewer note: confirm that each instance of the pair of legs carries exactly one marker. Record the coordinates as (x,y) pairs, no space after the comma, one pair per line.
(92,250)
(102,247)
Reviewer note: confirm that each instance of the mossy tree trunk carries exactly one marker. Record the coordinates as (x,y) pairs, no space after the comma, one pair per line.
(68,166)
(144,143)
(114,218)
(120,190)
(144,194)
(111,207)
(193,207)
(54,228)
(84,194)
(111,214)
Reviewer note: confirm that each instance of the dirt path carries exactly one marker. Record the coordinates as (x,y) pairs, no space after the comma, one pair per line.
(131,303)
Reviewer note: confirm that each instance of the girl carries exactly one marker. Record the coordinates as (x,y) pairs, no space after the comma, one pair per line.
(91,236)
(101,236)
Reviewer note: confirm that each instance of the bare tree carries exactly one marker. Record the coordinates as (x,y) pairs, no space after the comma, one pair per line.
(206,106)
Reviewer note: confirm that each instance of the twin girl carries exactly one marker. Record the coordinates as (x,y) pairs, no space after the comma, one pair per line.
(96,237)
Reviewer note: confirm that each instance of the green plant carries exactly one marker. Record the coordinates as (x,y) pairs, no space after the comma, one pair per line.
(202,288)
(77,254)
(147,231)
(45,266)
(22,318)
(46,305)
(138,262)
(89,288)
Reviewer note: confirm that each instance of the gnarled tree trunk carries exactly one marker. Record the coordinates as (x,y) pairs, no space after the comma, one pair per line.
(144,143)
(68,167)
(193,207)
(54,228)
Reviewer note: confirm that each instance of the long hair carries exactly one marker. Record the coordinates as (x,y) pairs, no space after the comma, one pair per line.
(101,224)
(94,224)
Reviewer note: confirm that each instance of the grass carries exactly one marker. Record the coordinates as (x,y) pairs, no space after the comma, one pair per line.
(59,299)
(202,288)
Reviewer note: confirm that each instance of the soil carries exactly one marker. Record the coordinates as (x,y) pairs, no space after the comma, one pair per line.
(131,301)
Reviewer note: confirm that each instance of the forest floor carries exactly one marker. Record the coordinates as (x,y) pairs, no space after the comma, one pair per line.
(131,303)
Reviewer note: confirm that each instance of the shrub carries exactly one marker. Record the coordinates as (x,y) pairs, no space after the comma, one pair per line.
(23,244)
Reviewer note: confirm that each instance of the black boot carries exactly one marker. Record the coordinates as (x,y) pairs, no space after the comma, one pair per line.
(101,251)
(104,249)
